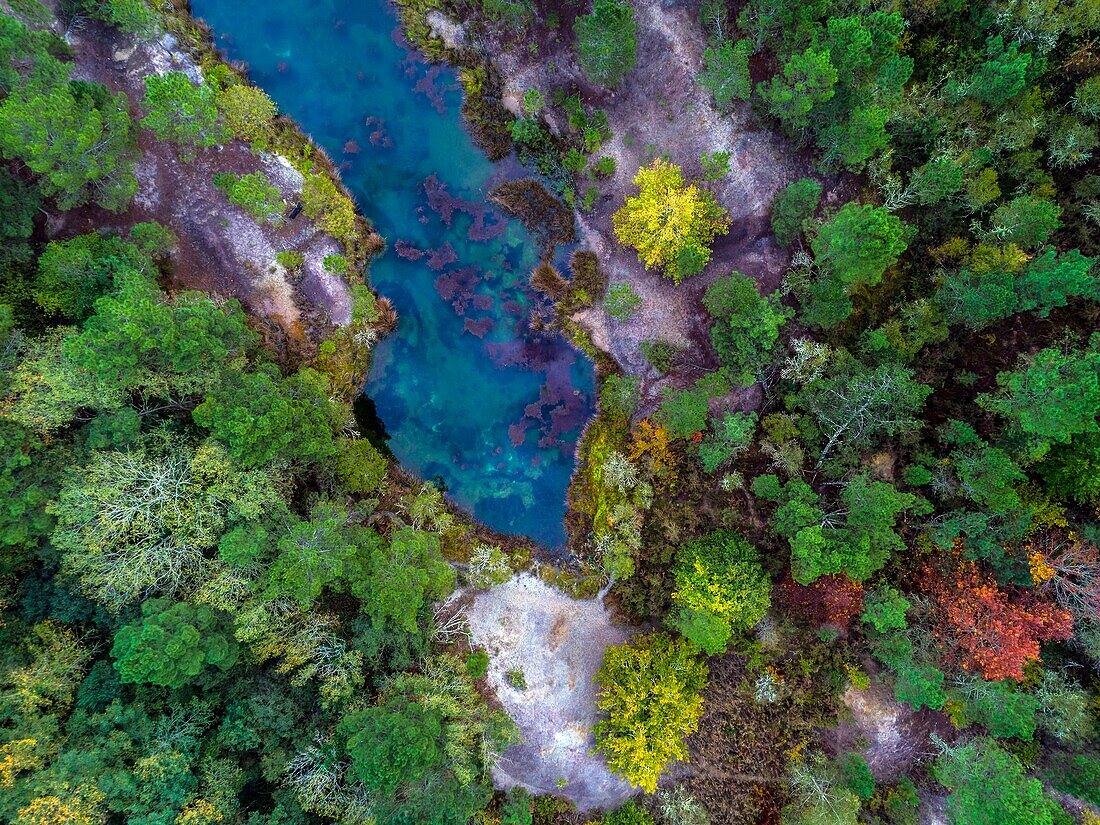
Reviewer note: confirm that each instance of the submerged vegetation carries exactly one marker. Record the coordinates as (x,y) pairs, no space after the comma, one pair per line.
(909,514)
(199,598)
(856,517)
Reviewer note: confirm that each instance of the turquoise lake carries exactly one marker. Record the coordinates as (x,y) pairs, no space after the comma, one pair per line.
(471,397)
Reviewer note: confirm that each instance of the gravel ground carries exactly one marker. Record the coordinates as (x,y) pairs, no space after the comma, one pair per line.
(558,644)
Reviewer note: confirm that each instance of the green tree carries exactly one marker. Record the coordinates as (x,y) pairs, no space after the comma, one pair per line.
(1051,279)
(132,16)
(630,813)
(856,774)
(394,743)
(1072,470)
(29,475)
(516,809)
(873,510)
(746,326)
(72,274)
(47,676)
(311,556)
(78,137)
(670,223)
(791,207)
(856,139)
(360,468)
(248,111)
(1077,774)
(262,418)
(684,412)
(650,690)
(29,58)
(884,608)
(619,396)
(172,645)
(606,44)
(859,243)
(721,588)
(142,341)
(1086,98)
(853,250)
(20,204)
(916,683)
(726,72)
(988,787)
(1026,221)
(914,325)
(715,165)
(920,685)
(982,473)
(1052,397)
(395,579)
(1003,74)
(850,46)
(853,405)
(936,180)
(622,301)
(822,544)
(423,750)
(808,79)
(181,111)
(730,435)
(255,194)
(976,301)
(323,202)
(661,354)
(1000,707)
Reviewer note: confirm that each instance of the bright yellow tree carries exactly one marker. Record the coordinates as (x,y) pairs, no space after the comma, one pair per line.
(670,223)
(650,690)
(78,807)
(16,756)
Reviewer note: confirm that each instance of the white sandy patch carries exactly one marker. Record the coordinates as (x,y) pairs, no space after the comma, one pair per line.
(557,643)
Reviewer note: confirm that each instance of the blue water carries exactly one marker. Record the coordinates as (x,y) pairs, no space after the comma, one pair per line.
(471,397)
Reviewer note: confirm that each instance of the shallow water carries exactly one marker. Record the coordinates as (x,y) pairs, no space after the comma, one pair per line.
(470,396)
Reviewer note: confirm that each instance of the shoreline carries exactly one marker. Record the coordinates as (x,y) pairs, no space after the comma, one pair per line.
(200,36)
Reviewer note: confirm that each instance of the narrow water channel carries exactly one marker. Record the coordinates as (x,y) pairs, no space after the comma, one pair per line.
(470,396)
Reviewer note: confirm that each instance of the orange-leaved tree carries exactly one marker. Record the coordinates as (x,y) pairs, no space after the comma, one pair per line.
(989,629)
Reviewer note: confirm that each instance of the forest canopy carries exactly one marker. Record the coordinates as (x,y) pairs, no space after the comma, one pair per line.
(842,487)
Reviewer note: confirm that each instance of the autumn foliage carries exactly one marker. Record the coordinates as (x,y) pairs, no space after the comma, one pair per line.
(1067,569)
(988,629)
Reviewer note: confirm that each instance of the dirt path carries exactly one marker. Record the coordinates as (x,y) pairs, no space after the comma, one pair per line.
(557,643)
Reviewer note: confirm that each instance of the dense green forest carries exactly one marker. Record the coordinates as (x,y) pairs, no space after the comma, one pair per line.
(221,602)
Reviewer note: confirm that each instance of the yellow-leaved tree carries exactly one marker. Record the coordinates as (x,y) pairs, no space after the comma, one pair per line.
(650,690)
(77,806)
(670,223)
